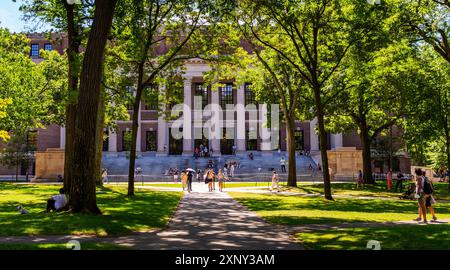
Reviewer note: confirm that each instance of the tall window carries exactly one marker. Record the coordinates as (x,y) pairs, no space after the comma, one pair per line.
(299,140)
(151,140)
(151,97)
(105,140)
(226,96)
(48,47)
(202,91)
(249,95)
(126,140)
(35,50)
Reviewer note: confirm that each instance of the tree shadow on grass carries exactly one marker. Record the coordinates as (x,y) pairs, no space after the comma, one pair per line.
(285,202)
(121,214)
(403,237)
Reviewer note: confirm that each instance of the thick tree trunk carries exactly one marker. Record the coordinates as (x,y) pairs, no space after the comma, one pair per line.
(323,144)
(73,53)
(292,168)
(367,156)
(100,134)
(82,191)
(134,130)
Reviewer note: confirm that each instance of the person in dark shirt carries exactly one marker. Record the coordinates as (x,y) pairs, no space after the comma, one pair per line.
(400,178)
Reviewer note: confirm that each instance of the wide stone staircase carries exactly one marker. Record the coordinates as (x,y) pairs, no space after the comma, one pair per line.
(155,167)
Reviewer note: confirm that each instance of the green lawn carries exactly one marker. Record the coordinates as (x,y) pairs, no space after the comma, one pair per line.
(379,190)
(405,237)
(121,215)
(227,184)
(61,246)
(296,210)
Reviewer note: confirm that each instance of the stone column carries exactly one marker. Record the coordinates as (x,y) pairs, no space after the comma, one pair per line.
(314,137)
(264,131)
(215,121)
(240,122)
(62,138)
(162,132)
(112,141)
(187,117)
(336,141)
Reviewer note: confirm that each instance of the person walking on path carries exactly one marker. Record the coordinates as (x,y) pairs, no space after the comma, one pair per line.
(184,179)
(420,196)
(210,179)
(189,181)
(220,179)
(360,180)
(232,167)
(275,179)
(175,176)
(283,164)
(389,180)
(427,190)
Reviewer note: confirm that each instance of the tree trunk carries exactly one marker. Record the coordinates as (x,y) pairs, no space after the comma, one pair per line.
(17,166)
(82,190)
(292,168)
(100,134)
(134,130)
(323,144)
(72,55)
(367,156)
(447,148)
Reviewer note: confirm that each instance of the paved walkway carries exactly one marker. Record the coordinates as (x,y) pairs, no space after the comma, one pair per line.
(203,220)
(211,220)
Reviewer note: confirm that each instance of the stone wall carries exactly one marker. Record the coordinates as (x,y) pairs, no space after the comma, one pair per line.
(49,164)
(344,162)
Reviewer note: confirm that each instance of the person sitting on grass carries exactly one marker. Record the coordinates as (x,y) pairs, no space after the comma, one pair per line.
(57,202)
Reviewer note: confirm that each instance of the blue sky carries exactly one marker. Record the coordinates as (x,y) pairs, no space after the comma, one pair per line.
(11,17)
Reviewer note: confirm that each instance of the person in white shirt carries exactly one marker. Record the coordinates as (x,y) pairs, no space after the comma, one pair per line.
(283,164)
(275,180)
(57,202)
(232,170)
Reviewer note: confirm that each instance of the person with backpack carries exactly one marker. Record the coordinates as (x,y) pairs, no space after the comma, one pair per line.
(424,189)
(428,190)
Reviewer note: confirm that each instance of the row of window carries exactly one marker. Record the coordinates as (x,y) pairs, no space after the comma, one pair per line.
(35,49)
(226,96)
(151,139)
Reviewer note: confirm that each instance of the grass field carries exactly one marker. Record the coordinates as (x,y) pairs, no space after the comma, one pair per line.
(296,210)
(121,215)
(61,246)
(405,237)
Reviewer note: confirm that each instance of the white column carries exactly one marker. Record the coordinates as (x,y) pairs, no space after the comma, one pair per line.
(314,138)
(240,123)
(187,117)
(215,121)
(264,131)
(138,138)
(336,140)
(162,131)
(112,141)
(62,138)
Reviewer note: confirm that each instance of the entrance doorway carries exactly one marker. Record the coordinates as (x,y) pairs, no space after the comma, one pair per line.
(175,145)
(151,138)
(226,143)
(299,140)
